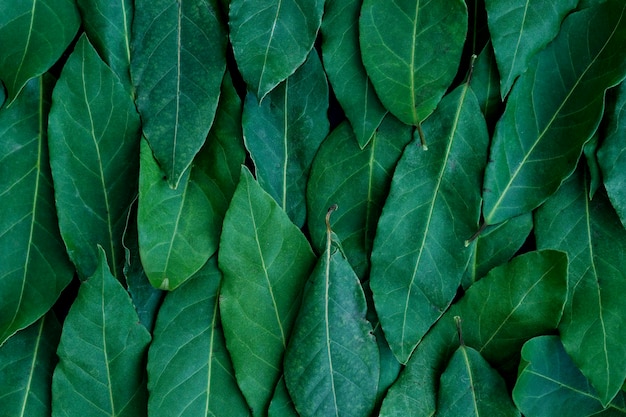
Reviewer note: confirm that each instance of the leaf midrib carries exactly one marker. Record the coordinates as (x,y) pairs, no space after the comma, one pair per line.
(33,365)
(327,319)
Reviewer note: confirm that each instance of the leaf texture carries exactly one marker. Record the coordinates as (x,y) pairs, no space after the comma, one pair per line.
(178,62)
(419,255)
(553,110)
(189,370)
(102,353)
(35,267)
(266,261)
(271,39)
(33,35)
(411,51)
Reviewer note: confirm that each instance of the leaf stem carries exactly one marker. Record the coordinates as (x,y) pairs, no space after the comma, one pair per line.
(457,321)
(482,227)
(471,68)
(422,137)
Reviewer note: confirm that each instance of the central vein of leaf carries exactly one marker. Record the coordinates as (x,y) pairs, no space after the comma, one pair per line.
(267,48)
(178,72)
(30,31)
(412,69)
(327,319)
(33,365)
(105,348)
(285,145)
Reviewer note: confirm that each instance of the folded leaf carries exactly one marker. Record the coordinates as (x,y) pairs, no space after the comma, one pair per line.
(94,141)
(265,260)
(101,366)
(419,254)
(553,109)
(411,51)
(178,62)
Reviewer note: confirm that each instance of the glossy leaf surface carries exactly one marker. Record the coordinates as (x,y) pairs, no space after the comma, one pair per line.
(430,205)
(594,321)
(553,110)
(101,353)
(283,133)
(271,39)
(264,257)
(189,370)
(34,268)
(178,62)
(411,51)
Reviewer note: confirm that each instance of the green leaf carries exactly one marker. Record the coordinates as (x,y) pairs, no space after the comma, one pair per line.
(357,180)
(284,132)
(411,51)
(548,380)
(34,267)
(471,387)
(282,404)
(590,151)
(271,39)
(332,363)
(594,321)
(178,62)
(266,261)
(102,353)
(345,70)
(33,35)
(94,141)
(189,370)
(419,255)
(521,28)
(552,110)
(26,364)
(485,84)
(512,304)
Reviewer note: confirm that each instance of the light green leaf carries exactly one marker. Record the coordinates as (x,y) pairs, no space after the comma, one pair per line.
(189,370)
(548,380)
(419,254)
(357,180)
(284,132)
(411,51)
(34,267)
(552,110)
(33,35)
(26,364)
(101,370)
(521,28)
(512,304)
(266,261)
(345,70)
(471,387)
(94,141)
(271,39)
(178,62)
(593,328)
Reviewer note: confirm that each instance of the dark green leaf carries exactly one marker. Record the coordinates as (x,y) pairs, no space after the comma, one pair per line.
(94,141)
(342,62)
(189,370)
(593,328)
(265,260)
(485,83)
(101,368)
(553,109)
(178,62)
(26,364)
(271,39)
(33,35)
(34,267)
(284,132)
(512,304)
(411,51)
(590,151)
(549,381)
(419,254)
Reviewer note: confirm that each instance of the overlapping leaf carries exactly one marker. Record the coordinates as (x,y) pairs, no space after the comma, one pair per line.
(189,370)
(282,404)
(553,109)
(34,268)
(94,142)
(512,304)
(283,134)
(33,35)
(594,321)
(411,51)
(265,260)
(485,84)
(178,62)
(419,254)
(271,39)
(101,368)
